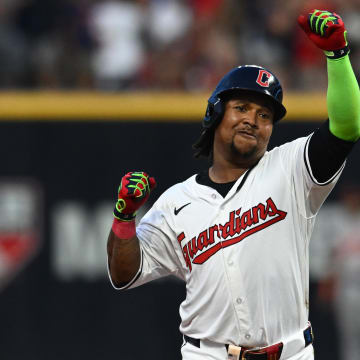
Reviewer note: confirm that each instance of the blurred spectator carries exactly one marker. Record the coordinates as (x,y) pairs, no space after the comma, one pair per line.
(345,274)
(168,20)
(58,43)
(13,47)
(350,12)
(208,9)
(160,44)
(212,43)
(116,26)
(267,36)
(167,28)
(191,47)
(335,263)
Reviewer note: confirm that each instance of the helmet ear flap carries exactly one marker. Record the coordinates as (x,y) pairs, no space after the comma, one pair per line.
(214,112)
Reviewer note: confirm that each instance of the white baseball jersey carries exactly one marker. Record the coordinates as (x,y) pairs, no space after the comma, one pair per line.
(244,257)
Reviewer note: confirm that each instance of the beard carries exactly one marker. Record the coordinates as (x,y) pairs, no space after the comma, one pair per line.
(244,154)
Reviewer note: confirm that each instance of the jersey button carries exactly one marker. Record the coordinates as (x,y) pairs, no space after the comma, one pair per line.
(239,300)
(213,196)
(247,336)
(230,262)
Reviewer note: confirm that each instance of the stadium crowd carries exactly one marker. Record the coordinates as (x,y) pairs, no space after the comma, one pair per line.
(118,45)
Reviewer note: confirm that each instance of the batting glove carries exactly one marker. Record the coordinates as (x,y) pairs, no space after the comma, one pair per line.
(134,190)
(327,31)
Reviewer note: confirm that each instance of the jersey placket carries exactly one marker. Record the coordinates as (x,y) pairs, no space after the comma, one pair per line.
(234,281)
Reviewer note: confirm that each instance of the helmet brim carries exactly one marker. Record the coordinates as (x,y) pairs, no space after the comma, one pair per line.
(278,108)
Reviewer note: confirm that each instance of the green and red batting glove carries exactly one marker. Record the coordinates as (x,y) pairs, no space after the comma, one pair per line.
(327,31)
(134,190)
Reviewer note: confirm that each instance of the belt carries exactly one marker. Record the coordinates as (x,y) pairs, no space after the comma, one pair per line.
(272,352)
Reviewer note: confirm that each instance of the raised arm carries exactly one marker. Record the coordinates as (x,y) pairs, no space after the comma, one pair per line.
(123,246)
(327,31)
(333,141)
(343,99)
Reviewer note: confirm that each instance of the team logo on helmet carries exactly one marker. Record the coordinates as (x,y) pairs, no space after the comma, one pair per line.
(263,78)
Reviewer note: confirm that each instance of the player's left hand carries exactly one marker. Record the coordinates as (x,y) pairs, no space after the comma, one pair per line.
(326,30)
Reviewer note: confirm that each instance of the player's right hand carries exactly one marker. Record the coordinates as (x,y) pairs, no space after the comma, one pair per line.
(326,30)
(134,190)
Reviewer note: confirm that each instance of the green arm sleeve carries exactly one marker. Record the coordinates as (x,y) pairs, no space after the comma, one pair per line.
(343,99)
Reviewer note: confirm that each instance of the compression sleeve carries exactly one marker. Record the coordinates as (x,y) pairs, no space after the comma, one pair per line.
(343,99)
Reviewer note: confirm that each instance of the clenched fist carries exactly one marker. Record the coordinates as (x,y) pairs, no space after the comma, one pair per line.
(134,190)
(327,31)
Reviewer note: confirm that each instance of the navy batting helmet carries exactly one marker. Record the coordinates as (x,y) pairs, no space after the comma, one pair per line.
(251,78)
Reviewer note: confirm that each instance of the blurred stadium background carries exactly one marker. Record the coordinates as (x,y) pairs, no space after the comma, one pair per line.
(91,89)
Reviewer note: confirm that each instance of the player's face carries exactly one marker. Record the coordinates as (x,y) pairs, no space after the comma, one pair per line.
(245,129)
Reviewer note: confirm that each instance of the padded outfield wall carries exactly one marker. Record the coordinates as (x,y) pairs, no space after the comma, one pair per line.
(62,157)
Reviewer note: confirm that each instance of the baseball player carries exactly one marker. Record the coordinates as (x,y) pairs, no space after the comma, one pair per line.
(238,233)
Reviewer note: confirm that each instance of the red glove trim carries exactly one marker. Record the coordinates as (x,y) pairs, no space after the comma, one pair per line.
(123,229)
(334,34)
